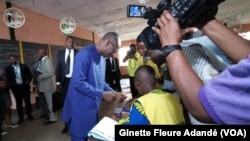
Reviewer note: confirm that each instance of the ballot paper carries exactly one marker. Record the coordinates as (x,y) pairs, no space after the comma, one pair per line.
(104,130)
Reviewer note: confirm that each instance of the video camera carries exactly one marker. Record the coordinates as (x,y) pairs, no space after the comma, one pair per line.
(187,12)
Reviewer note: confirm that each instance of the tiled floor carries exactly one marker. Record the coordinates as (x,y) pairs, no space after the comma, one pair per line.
(36,131)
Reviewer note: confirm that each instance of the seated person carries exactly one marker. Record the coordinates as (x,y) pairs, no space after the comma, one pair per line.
(153,106)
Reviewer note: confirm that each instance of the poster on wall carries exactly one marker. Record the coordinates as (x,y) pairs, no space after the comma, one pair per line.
(13,17)
(67,25)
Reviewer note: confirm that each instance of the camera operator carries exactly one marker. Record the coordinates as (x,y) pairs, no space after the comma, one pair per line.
(223,99)
(133,63)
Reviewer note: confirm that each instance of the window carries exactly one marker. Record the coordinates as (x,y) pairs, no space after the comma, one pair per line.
(122,53)
(245,35)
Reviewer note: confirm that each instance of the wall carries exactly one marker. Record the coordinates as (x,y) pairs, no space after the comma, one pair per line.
(40,29)
(123,69)
(45,30)
(4,32)
(245,28)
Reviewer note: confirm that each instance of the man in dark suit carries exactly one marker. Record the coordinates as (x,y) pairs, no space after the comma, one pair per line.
(64,69)
(113,74)
(19,77)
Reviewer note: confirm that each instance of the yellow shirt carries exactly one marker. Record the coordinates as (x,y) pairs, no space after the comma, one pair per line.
(162,108)
(133,64)
(156,107)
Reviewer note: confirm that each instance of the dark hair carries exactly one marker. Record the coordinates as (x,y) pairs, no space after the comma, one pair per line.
(13,55)
(132,45)
(145,68)
(69,37)
(138,39)
(113,36)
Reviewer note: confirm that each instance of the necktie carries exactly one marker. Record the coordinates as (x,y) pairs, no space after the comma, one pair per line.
(67,65)
(113,64)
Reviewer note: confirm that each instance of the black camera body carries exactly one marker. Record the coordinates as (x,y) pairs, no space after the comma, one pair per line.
(187,13)
(131,53)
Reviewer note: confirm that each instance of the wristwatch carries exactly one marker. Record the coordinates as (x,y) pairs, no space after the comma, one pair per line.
(166,50)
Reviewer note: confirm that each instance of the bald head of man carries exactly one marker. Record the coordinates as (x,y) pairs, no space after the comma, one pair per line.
(41,53)
(144,79)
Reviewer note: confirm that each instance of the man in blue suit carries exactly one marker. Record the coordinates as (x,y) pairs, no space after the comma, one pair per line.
(87,87)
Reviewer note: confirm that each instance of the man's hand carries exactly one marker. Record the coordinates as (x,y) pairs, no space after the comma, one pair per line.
(109,96)
(169,32)
(58,88)
(124,115)
(128,53)
(120,96)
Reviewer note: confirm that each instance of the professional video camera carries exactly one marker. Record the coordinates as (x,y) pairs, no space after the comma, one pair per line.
(187,12)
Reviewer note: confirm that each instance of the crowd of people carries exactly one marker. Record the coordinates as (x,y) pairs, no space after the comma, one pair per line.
(208,74)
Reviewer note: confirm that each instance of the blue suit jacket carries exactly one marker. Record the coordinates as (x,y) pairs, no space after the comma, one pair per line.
(85,91)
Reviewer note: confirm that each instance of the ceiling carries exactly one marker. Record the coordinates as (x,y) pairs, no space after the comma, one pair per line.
(110,15)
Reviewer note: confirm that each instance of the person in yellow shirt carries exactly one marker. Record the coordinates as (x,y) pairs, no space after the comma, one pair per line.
(144,59)
(133,58)
(153,106)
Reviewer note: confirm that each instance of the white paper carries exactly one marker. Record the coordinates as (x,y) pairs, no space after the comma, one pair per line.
(104,129)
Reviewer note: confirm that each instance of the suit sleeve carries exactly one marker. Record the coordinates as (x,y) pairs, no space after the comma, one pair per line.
(29,75)
(49,71)
(118,67)
(58,67)
(9,75)
(34,74)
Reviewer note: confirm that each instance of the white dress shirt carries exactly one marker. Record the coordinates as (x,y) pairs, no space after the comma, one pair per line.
(71,61)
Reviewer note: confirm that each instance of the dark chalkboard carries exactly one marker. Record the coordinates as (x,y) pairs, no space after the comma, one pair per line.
(82,42)
(54,50)
(29,52)
(7,48)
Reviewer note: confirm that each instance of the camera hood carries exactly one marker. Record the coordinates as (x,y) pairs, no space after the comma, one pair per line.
(150,39)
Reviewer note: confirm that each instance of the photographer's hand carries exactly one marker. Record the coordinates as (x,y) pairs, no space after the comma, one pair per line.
(169,31)
(126,57)
(181,72)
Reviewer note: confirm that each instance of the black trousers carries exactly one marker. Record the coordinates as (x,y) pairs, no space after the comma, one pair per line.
(1,120)
(22,92)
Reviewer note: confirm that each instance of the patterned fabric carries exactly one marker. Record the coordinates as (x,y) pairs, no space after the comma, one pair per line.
(138,115)
(200,62)
(210,45)
(205,63)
